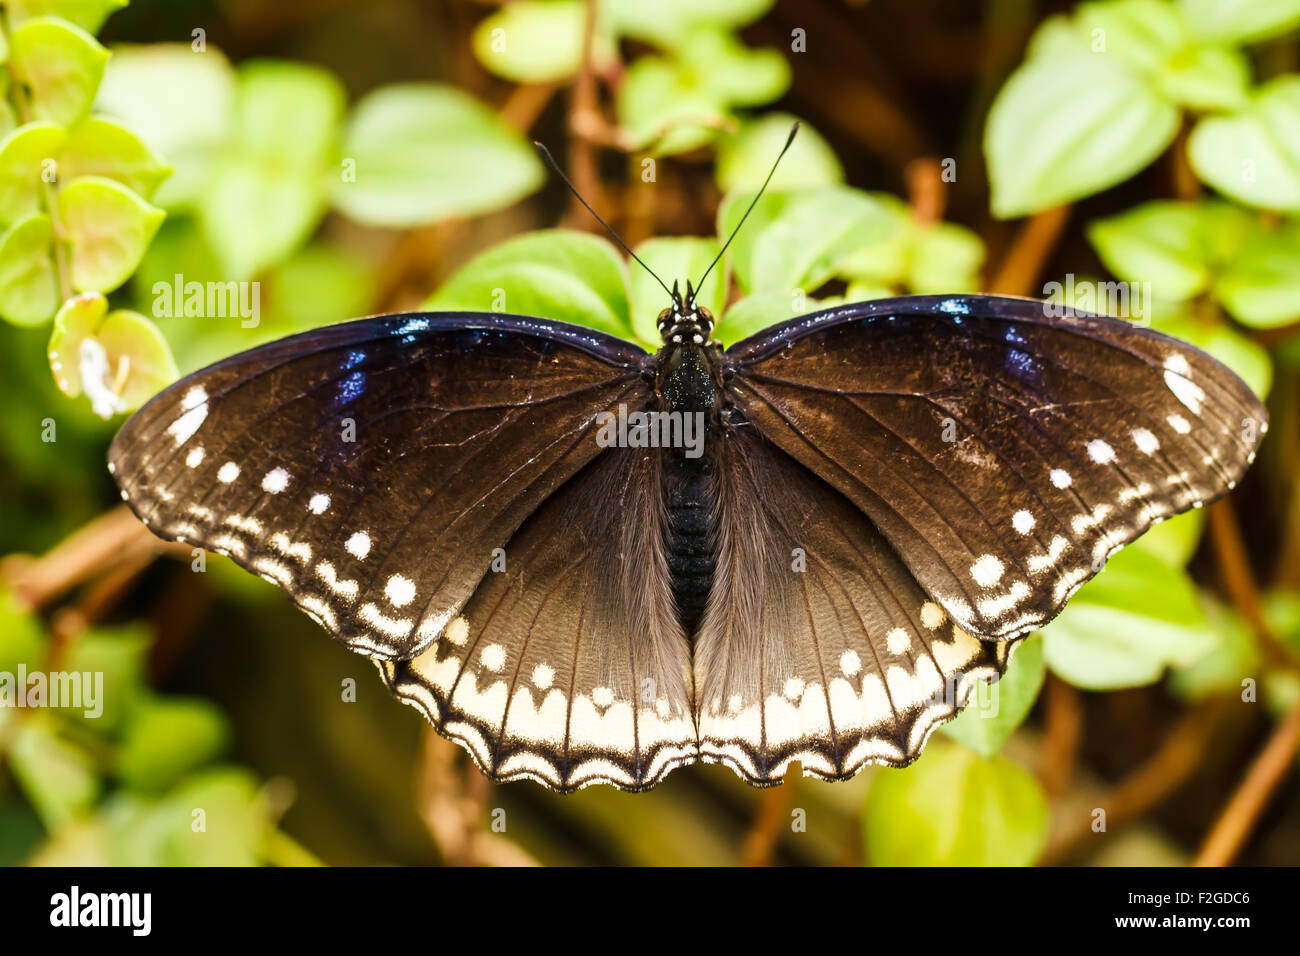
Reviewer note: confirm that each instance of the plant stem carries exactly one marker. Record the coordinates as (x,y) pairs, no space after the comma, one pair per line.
(1238,818)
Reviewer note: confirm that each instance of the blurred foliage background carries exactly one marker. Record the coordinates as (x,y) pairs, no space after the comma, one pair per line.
(351,158)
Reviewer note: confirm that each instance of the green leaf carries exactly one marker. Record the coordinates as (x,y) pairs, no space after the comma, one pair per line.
(754,313)
(108,227)
(180,103)
(57,777)
(665,22)
(795,240)
(87,14)
(1174,540)
(535,42)
(1224,666)
(166,738)
(1239,21)
(954,808)
(1113,633)
(554,274)
(679,104)
(29,286)
(945,257)
(26,155)
(1260,286)
(731,72)
(997,709)
(1206,78)
(118,359)
(424,152)
(663,106)
(673,260)
(102,147)
(119,654)
(1143,33)
(22,638)
(61,64)
(1160,242)
(215,818)
(268,190)
(1253,155)
(1040,155)
(746,157)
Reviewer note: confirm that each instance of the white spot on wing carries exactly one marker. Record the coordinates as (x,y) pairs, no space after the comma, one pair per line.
(276,480)
(195,456)
(319,504)
(1146,442)
(400,590)
(1061,478)
(897,641)
(227,472)
(358,545)
(850,663)
(987,571)
(494,657)
(1100,452)
(543,675)
(194,407)
(1023,521)
(931,615)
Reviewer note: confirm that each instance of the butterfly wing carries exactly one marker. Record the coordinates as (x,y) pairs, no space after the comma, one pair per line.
(1003,454)
(818,644)
(371,468)
(568,666)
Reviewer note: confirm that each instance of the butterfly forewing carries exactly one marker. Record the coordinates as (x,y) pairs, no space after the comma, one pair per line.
(1003,456)
(372,469)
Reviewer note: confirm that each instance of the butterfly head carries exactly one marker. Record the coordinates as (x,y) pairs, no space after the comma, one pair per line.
(685,322)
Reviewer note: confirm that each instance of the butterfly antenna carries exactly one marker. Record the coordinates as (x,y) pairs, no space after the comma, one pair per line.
(793,130)
(550,161)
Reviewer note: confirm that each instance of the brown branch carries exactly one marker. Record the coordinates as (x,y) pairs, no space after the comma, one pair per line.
(1029,251)
(1164,772)
(101,544)
(526,103)
(773,812)
(1239,581)
(926,189)
(1063,731)
(452,800)
(1239,817)
(584,121)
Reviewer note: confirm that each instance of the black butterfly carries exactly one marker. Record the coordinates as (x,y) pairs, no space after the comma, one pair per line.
(889,494)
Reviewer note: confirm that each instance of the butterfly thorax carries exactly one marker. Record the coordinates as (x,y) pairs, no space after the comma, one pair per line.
(688,386)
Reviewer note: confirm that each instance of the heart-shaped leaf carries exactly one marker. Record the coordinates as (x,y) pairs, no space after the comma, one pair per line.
(954,808)
(61,64)
(553,274)
(108,227)
(29,285)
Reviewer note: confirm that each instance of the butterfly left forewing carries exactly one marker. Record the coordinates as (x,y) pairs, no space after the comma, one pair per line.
(1003,454)
(371,469)
(818,645)
(568,666)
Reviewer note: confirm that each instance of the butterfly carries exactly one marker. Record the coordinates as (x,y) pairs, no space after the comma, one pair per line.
(588,563)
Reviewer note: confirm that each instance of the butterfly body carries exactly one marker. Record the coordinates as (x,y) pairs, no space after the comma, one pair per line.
(854,519)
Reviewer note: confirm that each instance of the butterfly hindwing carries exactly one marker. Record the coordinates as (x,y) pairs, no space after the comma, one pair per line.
(818,645)
(568,665)
(372,468)
(1002,455)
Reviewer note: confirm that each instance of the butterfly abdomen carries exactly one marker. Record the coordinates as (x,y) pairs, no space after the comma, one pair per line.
(688,493)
